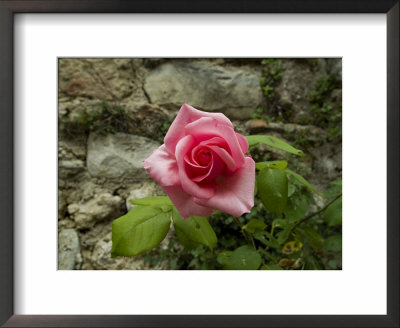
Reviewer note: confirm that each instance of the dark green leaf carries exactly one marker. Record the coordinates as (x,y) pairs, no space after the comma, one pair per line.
(273,142)
(193,231)
(270,242)
(332,264)
(243,258)
(223,257)
(333,244)
(281,223)
(296,208)
(299,179)
(333,213)
(312,237)
(273,189)
(335,189)
(138,231)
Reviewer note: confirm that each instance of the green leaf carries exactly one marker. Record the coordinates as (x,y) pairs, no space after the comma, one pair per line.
(332,264)
(281,223)
(299,179)
(333,243)
(273,164)
(273,142)
(312,237)
(155,200)
(273,189)
(333,213)
(243,258)
(335,189)
(193,231)
(255,224)
(296,208)
(271,242)
(271,267)
(141,229)
(223,257)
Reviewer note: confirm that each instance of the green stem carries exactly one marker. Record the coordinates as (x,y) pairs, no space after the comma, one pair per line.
(313,214)
(247,236)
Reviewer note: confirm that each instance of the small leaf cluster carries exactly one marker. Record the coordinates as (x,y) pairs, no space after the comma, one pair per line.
(147,224)
(272,73)
(104,118)
(324,113)
(285,230)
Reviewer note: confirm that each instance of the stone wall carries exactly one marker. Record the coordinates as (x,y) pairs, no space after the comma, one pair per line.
(100,171)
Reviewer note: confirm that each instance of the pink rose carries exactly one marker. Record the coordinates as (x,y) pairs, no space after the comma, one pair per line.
(202,165)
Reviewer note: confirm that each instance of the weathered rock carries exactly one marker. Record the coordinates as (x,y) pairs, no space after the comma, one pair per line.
(298,80)
(234,91)
(99,78)
(69,257)
(117,155)
(71,157)
(66,224)
(146,189)
(256,126)
(313,133)
(70,168)
(326,165)
(72,108)
(101,257)
(335,68)
(102,207)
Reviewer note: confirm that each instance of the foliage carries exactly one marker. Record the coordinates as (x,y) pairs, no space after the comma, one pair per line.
(325,114)
(104,118)
(285,229)
(271,75)
(109,118)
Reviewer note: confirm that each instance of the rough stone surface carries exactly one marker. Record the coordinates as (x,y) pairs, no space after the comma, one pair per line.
(313,133)
(69,256)
(140,191)
(233,90)
(100,258)
(297,82)
(117,155)
(96,252)
(96,78)
(71,157)
(100,208)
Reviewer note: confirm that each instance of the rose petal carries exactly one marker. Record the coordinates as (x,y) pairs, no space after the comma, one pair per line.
(219,146)
(217,166)
(162,167)
(243,142)
(182,148)
(194,169)
(184,203)
(234,194)
(186,115)
(207,126)
(225,157)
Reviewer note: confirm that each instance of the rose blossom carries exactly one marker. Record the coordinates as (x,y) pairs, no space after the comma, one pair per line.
(202,165)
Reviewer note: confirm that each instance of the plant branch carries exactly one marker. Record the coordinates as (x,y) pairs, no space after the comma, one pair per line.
(247,236)
(313,214)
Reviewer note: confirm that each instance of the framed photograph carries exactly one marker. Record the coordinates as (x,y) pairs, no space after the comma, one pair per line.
(166,164)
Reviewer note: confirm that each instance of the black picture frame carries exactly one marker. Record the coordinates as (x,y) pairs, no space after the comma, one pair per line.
(10,7)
